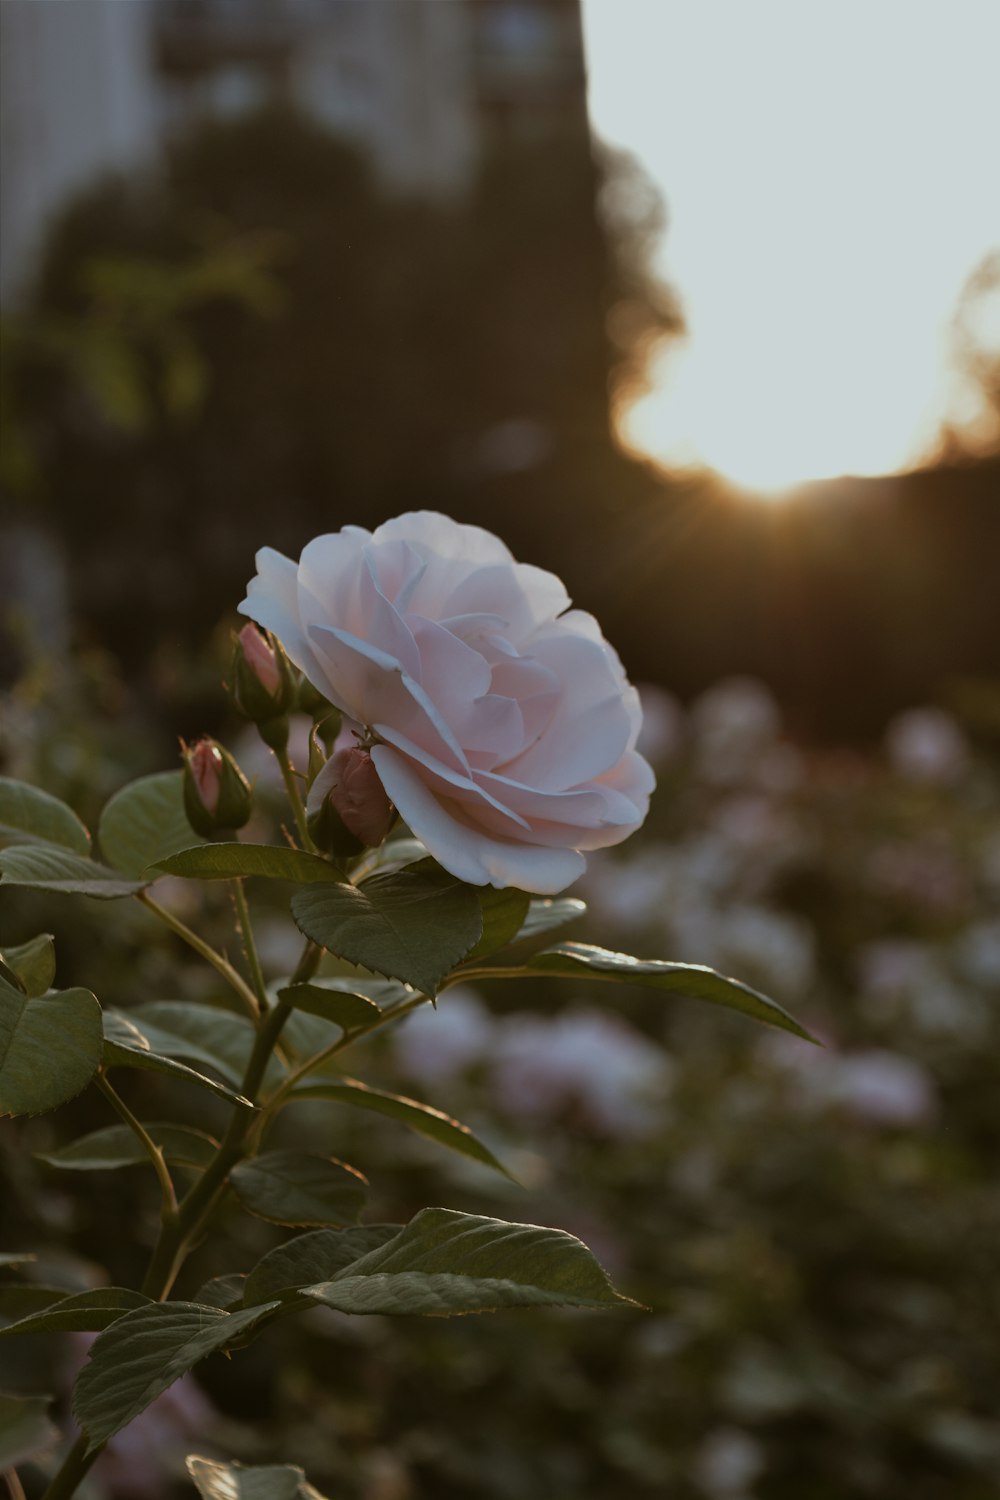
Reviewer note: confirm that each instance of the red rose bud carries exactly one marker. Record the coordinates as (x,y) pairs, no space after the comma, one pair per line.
(216,793)
(348,808)
(263,688)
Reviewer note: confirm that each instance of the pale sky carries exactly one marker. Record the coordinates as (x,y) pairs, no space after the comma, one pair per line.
(832,177)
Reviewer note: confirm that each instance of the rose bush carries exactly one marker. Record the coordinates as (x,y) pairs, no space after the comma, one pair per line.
(504,727)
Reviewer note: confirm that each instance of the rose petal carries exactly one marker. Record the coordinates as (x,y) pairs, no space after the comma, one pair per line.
(463,850)
(590,725)
(273,601)
(380,691)
(452,784)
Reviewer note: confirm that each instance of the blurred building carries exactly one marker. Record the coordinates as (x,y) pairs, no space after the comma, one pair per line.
(91,86)
(75,102)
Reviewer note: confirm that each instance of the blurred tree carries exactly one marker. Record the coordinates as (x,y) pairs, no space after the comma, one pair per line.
(461,355)
(976,346)
(414,351)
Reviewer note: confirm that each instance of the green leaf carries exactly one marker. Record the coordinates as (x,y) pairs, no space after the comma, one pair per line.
(413,925)
(290,1187)
(422,1118)
(312,1257)
(145,822)
(306,1033)
(46,867)
(215,1481)
(224,1291)
(303,1036)
(394,855)
(27,814)
(144,1352)
(25,1429)
(545,915)
(581,961)
(229,861)
(126,1047)
(200,1033)
(445,1263)
(344,1007)
(504,913)
(118,1146)
(19,1298)
(50,1048)
(80,1312)
(9,977)
(34,963)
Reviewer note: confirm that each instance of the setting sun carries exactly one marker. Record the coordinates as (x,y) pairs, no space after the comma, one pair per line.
(829,176)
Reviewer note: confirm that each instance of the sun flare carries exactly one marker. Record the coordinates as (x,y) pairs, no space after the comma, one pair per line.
(829,176)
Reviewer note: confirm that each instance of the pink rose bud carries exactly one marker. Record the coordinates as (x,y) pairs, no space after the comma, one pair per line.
(262,685)
(359,796)
(348,806)
(216,793)
(206,765)
(261,659)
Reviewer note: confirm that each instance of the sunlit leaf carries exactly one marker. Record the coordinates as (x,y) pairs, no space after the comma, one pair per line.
(144,1352)
(381,992)
(217,1481)
(394,854)
(27,813)
(145,822)
(545,914)
(413,925)
(423,1118)
(8,976)
(312,1257)
(34,963)
(581,961)
(50,1048)
(444,1263)
(291,1187)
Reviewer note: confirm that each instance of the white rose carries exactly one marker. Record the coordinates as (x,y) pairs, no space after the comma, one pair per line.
(504,725)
